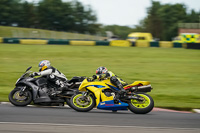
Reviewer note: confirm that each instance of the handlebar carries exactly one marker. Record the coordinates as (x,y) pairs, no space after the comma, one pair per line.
(90,79)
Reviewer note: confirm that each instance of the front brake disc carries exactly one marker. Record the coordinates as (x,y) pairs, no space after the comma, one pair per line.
(18,97)
(82,101)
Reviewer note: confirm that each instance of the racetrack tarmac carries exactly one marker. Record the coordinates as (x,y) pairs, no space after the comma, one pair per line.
(59,128)
(62,120)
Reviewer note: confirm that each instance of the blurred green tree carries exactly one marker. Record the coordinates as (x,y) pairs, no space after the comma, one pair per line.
(28,15)
(72,16)
(84,18)
(49,14)
(66,16)
(9,12)
(153,21)
(162,19)
(193,17)
(170,16)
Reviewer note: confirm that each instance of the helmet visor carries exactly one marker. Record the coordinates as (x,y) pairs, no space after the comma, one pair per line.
(42,68)
(98,72)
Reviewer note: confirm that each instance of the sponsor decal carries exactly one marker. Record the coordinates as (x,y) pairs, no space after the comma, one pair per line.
(109,104)
(102,103)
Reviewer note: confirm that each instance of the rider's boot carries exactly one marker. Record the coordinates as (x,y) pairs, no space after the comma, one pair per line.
(121,91)
(116,98)
(118,95)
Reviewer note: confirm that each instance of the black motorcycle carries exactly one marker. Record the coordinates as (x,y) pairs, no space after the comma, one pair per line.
(40,90)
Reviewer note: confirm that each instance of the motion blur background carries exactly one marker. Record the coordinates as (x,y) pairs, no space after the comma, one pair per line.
(174,73)
(161,18)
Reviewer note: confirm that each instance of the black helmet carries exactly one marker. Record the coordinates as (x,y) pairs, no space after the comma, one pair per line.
(101,70)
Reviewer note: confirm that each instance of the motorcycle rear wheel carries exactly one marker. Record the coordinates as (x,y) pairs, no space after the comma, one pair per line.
(141,107)
(80,105)
(18,100)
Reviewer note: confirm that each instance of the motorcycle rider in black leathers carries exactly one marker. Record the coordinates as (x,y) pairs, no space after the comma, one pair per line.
(52,74)
(103,73)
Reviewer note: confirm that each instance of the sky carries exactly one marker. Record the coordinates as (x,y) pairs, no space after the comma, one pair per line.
(128,12)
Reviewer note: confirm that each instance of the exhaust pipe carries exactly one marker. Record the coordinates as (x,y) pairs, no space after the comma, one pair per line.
(146,88)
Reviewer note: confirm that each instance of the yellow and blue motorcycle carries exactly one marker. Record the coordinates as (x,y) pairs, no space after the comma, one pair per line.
(100,94)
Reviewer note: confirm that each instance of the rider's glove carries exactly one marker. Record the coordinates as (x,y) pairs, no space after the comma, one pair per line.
(94,76)
(89,79)
(35,74)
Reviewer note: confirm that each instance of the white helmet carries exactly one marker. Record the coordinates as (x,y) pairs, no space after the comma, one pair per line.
(44,64)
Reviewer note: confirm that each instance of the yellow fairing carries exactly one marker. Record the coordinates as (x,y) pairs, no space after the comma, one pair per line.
(105,98)
(97,91)
(96,88)
(139,82)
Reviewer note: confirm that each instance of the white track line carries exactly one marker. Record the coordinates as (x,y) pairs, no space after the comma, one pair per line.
(111,126)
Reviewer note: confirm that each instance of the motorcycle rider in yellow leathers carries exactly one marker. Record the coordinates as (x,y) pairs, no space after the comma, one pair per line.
(103,73)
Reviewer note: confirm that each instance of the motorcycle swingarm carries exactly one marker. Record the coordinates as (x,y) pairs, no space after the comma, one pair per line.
(137,97)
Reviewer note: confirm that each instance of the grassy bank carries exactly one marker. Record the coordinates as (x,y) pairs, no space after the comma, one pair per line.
(174,73)
(18,32)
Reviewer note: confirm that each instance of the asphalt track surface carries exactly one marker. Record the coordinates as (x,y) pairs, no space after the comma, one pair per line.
(65,120)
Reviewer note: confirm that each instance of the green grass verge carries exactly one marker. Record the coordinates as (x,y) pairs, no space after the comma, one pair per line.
(7,31)
(173,73)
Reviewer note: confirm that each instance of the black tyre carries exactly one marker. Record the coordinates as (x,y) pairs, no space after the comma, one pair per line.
(70,94)
(18,100)
(80,104)
(141,107)
(68,102)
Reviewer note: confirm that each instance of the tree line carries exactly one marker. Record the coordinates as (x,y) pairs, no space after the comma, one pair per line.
(72,16)
(161,20)
(49,14)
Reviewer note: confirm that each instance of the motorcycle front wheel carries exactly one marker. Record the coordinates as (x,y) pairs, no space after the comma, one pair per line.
(141,107)
(20,100)
(82,103)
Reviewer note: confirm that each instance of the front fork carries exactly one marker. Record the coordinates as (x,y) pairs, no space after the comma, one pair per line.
(85,95)
(22,91)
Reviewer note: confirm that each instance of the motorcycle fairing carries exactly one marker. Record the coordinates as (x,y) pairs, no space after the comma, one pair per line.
(138,82)
(35,91)
(31,85)
(97,86)
(113,87)
(109,105)
(96,91)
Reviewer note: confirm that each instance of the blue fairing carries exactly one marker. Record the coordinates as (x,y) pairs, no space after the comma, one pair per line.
(97,86)
(109,105)
(113,87)
(101,86)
